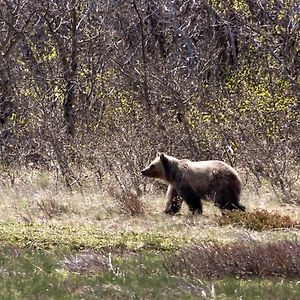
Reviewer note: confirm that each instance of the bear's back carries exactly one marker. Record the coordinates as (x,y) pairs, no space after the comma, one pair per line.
(205,164)
(206,168)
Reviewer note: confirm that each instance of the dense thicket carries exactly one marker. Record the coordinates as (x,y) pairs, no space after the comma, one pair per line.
(102,85)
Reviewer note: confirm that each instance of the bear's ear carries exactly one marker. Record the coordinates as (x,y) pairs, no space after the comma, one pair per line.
(158,154)
(165,163)
(163,158)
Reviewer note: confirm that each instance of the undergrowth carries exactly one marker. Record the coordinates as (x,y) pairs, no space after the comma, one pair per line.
(214,260)
(257,220)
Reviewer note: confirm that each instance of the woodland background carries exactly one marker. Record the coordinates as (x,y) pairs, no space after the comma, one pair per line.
(95,87)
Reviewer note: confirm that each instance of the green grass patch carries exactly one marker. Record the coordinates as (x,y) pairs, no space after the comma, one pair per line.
(50,236)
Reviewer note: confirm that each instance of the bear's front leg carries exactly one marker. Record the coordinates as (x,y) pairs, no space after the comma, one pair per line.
(174,201)
(192,199)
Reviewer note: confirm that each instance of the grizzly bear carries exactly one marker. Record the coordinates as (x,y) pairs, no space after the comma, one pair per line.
(191,181)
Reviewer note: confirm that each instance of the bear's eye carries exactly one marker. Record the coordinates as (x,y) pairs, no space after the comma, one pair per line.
(151,167)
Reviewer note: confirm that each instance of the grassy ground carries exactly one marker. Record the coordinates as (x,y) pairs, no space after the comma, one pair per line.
(61,245)
(52,275)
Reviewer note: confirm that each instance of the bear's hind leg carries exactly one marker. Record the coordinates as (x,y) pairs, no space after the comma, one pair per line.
(174,201)
(233,206)
(239,206)
(228,200)
(196,210)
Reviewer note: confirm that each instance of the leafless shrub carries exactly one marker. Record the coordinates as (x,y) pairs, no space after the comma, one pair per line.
(128,201)
(213,260)
(90,263)
(275,160)
(51,208)
(26,217)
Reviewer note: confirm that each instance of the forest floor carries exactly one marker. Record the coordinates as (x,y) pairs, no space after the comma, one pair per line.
(57,244)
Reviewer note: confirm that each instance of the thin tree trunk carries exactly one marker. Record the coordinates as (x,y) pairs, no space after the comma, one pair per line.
(5,101)
(144,58)
(69,101)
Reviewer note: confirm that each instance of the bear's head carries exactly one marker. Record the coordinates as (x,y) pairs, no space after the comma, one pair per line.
(161,167)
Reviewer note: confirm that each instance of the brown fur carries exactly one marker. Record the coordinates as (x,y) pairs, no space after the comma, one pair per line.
(192,181)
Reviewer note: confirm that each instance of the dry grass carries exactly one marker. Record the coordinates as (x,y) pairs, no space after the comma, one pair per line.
(211,260)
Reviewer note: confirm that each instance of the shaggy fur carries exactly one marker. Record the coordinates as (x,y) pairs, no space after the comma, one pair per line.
(192,181)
